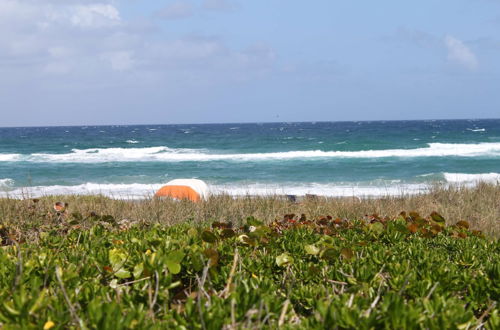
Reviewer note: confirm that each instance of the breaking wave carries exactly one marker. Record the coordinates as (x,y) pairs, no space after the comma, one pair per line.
(165,154)
(141,191)
(472,178)
(5,183)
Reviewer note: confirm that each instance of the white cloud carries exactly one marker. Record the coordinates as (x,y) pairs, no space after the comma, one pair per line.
(119,60)
(94,15)
(57,53)
(460,54)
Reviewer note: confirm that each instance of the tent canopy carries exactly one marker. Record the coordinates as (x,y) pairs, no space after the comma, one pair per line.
(192,189)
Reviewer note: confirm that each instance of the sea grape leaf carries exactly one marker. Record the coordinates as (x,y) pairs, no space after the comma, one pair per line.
(463,224)
(138,269)
(260,232)
(208,236)
(227,233)
(122,273)
(212,255)
(311,249)
(176,256)
(376,227)
(173,266)
(116,258)
(436,217)
(192,232)
(413,228)
(247,240)
(284,259)
(347,253)
(327,240)
(414,215)
(251,221)
(329,254)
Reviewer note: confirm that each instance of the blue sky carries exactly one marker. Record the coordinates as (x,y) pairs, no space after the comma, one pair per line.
(81,62)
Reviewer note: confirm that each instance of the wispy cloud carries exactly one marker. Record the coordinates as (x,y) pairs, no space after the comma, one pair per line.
(460,54)
(176,10)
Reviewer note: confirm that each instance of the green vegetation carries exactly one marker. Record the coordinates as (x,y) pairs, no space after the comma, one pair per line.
(71,267)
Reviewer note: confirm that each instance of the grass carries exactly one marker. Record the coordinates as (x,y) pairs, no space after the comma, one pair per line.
(252,262)
(480,206)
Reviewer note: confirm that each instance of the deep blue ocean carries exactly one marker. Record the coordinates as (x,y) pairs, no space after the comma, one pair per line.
(324,158)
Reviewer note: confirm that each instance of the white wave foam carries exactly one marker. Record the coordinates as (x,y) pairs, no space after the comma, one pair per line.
(472,178)
(165,154)
(329,190)
(132,141)
(117,191)
(9,157)
(5,183)
(141,191)
(477,129)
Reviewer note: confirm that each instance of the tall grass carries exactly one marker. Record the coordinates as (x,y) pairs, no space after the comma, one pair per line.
(479,205)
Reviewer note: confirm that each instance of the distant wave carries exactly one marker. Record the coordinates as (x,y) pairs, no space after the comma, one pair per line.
(477,129)
(132,141)
(165,154)
(10,157)
(471,178)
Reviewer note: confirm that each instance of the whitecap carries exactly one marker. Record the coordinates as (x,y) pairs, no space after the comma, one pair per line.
(472,178)
(165,154)
(5,183)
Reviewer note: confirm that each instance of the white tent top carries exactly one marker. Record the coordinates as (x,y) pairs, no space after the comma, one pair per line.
(197,185)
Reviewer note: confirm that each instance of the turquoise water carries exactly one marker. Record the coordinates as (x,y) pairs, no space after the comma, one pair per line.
(326,158)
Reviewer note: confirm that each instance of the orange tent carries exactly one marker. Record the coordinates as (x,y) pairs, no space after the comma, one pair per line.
(191,189)
(178,192)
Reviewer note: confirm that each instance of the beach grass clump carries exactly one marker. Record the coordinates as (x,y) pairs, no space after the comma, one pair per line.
(88,269)
(479,206)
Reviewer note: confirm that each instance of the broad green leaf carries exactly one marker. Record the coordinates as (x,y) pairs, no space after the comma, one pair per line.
(212,255)
(176,256)
(311,249)
(208,236)
(138,269)
(173,267)
(113,284)
(116,258)
(329,253)
(122,273)
(227,233)
(192,232)
(376,227)
(436,217)
(284,259)
(347,253)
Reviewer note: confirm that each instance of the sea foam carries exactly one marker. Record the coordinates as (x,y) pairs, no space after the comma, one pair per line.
(165,154)
(141,191)
(6,182)
(472,178)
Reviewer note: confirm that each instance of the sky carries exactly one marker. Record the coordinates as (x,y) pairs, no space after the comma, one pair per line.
(92,62)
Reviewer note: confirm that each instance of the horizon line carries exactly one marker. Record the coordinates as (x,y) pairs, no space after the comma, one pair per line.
(254,122)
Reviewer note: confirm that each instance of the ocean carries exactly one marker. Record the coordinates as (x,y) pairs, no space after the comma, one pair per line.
(362,158)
